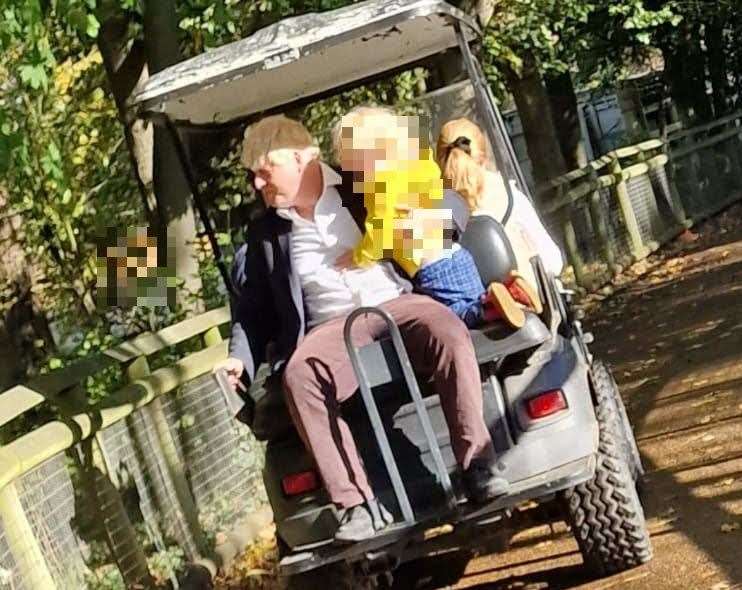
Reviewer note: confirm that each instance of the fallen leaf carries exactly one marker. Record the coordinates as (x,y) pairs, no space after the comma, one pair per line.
(702,402)
(726,482)
(705,420)
(258,572)
(729,527)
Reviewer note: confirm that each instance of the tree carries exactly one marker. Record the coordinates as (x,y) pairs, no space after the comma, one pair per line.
(61,170)
(176,219)
(535,49)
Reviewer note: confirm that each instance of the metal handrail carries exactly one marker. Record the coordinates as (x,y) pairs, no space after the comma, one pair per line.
(375,418)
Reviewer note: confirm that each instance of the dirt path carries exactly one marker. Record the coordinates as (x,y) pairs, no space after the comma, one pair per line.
(674,340)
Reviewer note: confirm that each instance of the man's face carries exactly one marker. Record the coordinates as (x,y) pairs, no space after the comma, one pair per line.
(278,177)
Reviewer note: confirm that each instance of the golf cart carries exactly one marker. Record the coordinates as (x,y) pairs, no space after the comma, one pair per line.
(553,411)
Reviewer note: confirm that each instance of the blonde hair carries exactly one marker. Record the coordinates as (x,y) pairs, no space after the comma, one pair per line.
(369,122)
(461,151)
(272,138)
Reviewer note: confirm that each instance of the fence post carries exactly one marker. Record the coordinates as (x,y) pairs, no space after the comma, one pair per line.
(674,200)
(138,369)
(597,213)
(22,541)
(212,336)
(638,250)
(573,251)
(121,537)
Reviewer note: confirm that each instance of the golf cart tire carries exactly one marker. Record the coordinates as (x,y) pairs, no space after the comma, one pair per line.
(605,512)
(336,576)
(602,378)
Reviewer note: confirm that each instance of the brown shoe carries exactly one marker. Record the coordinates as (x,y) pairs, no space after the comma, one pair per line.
(523,292)
(499,304)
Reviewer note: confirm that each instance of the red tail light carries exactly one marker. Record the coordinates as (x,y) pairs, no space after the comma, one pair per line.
(300,483)
(546,404)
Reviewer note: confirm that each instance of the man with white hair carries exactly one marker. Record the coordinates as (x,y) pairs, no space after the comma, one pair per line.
(296,287)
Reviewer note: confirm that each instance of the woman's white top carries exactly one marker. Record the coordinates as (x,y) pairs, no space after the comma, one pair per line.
(524,228)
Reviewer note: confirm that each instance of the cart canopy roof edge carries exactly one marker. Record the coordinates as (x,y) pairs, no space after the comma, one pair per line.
(299,57)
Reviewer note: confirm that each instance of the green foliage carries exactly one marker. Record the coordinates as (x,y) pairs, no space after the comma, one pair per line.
(105,578)
(570,35)
(65,170)
(63,167)
(164,564)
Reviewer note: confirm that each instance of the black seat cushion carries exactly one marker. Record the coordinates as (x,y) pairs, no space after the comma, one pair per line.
(485,238)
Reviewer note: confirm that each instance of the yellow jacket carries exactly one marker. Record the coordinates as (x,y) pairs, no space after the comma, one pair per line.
(415,184)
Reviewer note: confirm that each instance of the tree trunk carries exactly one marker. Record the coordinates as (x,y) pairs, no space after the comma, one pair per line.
(171,187)
(534,109)
(717,65)
(23,325)
(124,69)
(564,110)
(686,73)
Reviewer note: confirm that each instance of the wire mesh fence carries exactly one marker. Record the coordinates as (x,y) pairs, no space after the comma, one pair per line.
(707,166)
(223,461)
(108,513)
(10,575)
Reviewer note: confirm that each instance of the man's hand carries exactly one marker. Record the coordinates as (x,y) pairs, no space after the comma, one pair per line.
(234,369)
(345,260)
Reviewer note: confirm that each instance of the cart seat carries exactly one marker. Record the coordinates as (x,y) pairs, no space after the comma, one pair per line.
(485,238)
(497,340)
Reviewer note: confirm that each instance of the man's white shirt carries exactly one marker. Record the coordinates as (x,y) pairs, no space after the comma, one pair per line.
(315,246)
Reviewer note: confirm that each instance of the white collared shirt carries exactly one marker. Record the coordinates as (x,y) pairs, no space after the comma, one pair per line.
(316,245)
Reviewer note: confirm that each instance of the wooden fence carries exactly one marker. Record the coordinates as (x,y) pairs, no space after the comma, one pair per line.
(78,431)
(624,205)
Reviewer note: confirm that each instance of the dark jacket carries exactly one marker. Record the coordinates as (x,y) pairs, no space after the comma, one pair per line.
(268,315)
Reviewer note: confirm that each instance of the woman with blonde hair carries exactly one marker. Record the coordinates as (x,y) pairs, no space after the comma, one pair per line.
(461,152)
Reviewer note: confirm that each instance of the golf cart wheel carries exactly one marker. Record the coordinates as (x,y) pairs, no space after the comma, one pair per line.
(605,513)
(601,378)
(336,576)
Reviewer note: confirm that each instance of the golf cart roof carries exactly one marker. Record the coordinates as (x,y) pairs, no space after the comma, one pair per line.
(300,57)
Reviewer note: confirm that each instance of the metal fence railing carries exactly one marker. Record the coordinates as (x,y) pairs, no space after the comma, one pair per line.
(125,492)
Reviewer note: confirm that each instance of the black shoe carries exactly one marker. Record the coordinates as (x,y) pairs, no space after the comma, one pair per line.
(482,484)
(358,524)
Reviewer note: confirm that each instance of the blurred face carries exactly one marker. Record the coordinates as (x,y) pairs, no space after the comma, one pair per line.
(278,177)
(379,142)
(361,160)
